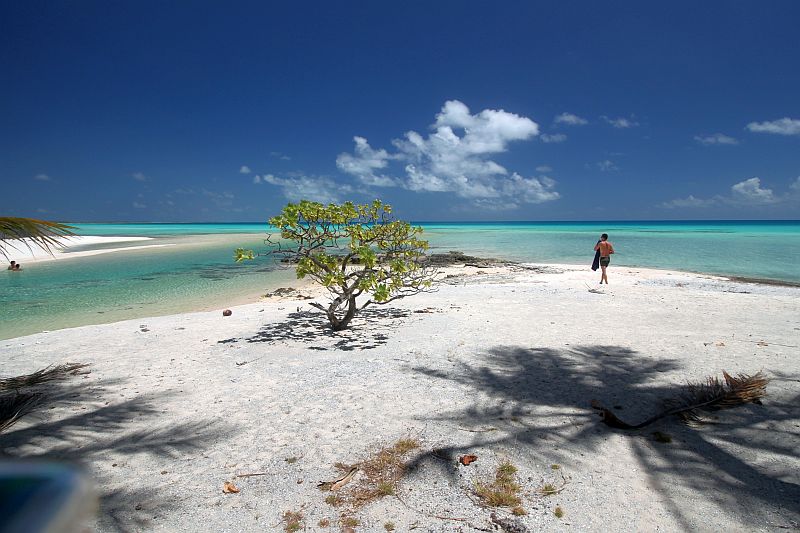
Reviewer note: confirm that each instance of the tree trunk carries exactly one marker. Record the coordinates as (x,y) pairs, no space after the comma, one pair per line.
(339,324)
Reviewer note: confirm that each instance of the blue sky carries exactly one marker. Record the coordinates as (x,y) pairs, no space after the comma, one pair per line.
(449,110)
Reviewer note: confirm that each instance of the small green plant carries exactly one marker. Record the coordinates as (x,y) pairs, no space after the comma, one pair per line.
(559,512)
(404,446)
(388,526)
(548,489)
(332,499)
(385,488)
(555,467)
(349,521)
(293,520)
(380,474)
(324,523)
(503,491)
(291,460)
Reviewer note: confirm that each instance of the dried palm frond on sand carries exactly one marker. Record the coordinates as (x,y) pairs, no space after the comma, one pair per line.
(709,396)
(15,406)
(19,395)
(45,375)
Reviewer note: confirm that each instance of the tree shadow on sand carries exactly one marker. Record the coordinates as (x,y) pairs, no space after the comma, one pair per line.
(82,432)
(540,400)
(369,329)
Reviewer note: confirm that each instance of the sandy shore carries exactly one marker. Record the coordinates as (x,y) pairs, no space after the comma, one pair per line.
(501,363)
(25,251)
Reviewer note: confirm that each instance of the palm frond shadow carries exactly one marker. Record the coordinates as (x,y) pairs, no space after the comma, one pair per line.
(540,400)
(82,430)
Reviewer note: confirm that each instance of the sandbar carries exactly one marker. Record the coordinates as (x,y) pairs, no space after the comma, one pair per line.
(499,362)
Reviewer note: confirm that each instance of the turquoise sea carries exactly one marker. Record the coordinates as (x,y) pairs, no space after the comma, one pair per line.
(196,271)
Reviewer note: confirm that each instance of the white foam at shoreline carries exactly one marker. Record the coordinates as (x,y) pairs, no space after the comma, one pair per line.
(25,250)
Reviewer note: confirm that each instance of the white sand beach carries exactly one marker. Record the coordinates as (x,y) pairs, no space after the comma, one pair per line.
(501,363)
(25,251)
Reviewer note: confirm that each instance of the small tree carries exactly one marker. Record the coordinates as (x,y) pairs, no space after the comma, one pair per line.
(351,250)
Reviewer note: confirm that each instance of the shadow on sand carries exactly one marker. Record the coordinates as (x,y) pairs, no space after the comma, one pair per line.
(554,387)
(82,432)
(369,329)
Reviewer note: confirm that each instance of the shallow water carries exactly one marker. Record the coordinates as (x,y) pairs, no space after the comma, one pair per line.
(197,270)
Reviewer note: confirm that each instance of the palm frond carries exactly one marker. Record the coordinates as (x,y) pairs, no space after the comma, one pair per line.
(46,234)
(45,375)
(714,394)
(15,406)
(711,395)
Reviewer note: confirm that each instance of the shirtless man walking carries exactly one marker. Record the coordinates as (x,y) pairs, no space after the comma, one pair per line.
(606,249)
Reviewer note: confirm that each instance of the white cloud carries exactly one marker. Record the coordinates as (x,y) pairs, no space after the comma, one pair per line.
(280,155)
(220,199)
(42,177)
(607,166)
(318,189)
(621,123)
(454,157)
(690,201)
(783,126)
(746,193)
(717,138)
(245,170)
(554,138)
(544,168)
(570,119)
(530,190)
(138,176)
(364,164)
(138,205)
(257,179)
(750,191)
(493,204)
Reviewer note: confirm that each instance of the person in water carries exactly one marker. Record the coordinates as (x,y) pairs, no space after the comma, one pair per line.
(605,248)
(13,266)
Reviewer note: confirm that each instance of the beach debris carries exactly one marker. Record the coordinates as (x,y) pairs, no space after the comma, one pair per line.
(593,291)
(15,406)
(253,474)
(293,521)
(20,395)
(549,489)
(467,459)
(230,488)
(720,343)
(338,483)
(45,375)
(379,476)
(227,312)
(508,525)
(709,396)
